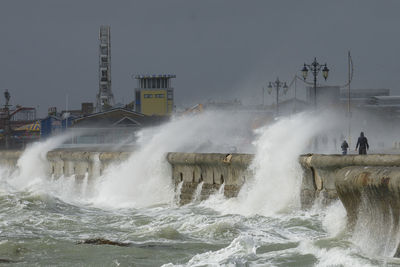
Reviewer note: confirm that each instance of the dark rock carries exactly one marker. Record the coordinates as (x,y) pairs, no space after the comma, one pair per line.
(6,261)
(102,241)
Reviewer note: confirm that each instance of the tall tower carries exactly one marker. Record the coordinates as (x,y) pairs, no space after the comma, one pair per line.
(105,97)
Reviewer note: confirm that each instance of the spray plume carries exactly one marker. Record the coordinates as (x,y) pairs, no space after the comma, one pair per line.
(32,166)
(277,173)
(144,179)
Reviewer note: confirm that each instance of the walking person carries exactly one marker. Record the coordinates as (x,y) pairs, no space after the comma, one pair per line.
(344,147)
(362,144)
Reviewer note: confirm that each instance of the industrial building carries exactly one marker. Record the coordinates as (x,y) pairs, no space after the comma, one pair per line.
(154,95)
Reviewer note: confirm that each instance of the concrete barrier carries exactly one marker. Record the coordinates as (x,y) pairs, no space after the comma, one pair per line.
(212,169)
(69,162)
(367,185)
(191,169)
(361,182)
(374,188)
(9,158)
(320,172)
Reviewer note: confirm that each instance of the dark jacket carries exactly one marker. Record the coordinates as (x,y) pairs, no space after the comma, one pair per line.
(362,142)
(344,146)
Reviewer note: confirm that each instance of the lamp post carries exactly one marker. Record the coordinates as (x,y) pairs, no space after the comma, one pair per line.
(7,129)
(315,68)
(277,85)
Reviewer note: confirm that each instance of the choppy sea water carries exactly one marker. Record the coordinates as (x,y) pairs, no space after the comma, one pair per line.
(42,230)
(44,221)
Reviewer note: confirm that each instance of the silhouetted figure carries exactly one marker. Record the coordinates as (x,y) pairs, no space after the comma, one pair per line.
(344,147)
(362,144)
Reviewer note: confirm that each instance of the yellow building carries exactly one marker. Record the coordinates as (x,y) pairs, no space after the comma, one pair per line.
(154,94)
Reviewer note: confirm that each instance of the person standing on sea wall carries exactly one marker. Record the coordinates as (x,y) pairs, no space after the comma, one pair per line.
(344,147)
(362,144)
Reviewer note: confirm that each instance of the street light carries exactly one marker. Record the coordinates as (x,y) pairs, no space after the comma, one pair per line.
(277,85)
(7,96)
(315,68)
(7,128)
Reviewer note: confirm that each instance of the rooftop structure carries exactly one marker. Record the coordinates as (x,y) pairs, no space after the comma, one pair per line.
(154,94)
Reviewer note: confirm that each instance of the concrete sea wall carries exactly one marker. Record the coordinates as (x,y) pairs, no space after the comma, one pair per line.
(78,163)
(211,171)
(10,158)
(325,175)
(67,162)
(367,185)
(189,169)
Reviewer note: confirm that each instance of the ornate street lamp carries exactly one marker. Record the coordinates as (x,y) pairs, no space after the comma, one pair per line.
(277,85)
(7,96)
(315,68)
(7,128)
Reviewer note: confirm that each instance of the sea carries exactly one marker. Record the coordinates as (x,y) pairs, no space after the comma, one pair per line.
(129,215)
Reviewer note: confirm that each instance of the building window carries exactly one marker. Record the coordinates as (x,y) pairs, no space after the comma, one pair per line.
(148,96)
(159,95)
(158,83)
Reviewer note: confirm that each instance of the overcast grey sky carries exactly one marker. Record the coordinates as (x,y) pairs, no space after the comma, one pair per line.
(218,49)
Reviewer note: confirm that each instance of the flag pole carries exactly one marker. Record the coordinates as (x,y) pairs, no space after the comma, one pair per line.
(349,98)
